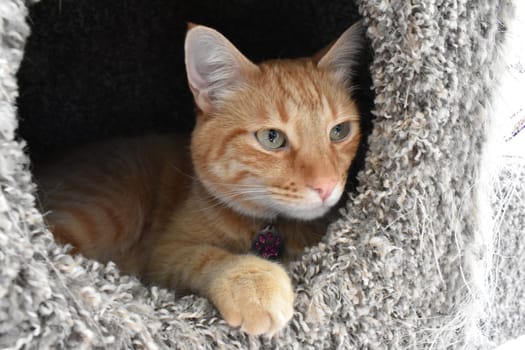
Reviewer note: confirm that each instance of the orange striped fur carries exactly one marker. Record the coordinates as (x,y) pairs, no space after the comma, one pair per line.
(182,211)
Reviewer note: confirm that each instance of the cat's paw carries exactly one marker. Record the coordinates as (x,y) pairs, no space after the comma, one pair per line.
(254,294)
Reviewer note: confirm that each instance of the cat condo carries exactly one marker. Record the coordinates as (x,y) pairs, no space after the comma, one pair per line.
(410,262)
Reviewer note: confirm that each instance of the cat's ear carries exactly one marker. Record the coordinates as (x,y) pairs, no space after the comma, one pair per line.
(214,66)
(343,55)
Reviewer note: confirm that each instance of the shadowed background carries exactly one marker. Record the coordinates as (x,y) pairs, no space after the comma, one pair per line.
(94,69)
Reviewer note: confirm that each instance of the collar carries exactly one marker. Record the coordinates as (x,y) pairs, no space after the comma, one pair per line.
(268,243)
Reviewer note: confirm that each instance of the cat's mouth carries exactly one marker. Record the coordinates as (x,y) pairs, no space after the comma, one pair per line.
(310,206)
(267,204)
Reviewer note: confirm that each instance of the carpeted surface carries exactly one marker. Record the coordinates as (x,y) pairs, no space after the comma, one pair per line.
(409,264)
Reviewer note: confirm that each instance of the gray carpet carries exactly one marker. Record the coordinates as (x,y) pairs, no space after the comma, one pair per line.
(413,262)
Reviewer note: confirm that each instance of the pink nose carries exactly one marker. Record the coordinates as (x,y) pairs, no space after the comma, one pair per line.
(324,188)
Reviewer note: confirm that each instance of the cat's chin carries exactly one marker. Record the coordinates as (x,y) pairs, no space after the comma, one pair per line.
(268,208)
(305,214)
(274,210)
(271,212)
(312,208)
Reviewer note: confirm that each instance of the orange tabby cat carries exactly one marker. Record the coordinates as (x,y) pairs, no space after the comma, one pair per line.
(272,144)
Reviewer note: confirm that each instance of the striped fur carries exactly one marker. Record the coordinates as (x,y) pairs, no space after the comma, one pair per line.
(182,211)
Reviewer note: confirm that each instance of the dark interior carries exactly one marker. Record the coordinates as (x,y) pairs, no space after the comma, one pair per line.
(94,69)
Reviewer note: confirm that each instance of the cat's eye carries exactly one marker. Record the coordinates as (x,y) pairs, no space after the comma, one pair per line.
(340,132)
(271,139)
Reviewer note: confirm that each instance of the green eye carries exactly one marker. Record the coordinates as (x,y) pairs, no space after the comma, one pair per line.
(340,132)
(271,139)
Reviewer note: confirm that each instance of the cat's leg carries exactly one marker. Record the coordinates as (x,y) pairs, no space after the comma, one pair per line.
(248,291)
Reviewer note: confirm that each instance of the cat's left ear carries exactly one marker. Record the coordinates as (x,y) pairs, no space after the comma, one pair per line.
(343,55)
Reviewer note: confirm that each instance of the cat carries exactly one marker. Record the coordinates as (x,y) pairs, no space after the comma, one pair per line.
(272,145)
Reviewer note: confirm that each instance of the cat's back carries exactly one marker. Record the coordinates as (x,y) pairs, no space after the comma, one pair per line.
(118,158)
(110,197)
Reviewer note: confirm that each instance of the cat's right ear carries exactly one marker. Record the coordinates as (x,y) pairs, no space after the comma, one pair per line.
(215,68)
(343,55)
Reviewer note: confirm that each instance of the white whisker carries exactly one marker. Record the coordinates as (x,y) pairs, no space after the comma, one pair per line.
(192,177)
(230,198)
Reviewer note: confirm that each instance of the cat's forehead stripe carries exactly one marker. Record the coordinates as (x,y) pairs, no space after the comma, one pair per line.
(281,111)
(298,91)
(288,76)
(317,88)
(330,105)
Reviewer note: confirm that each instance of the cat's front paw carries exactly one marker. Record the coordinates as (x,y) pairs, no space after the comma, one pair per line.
(254,294)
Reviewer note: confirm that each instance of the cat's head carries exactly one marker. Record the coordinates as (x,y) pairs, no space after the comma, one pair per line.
(277,138)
